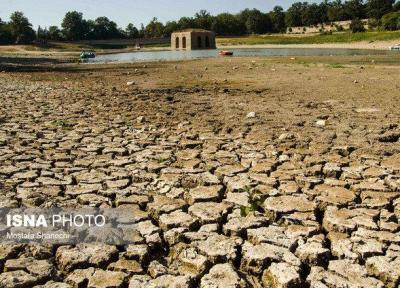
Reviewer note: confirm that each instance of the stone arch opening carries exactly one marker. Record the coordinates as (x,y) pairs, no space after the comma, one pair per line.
(184,42)
(199,44)
(177,42)
(207,42)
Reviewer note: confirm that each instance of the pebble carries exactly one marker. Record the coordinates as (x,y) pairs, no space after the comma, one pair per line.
(251,115)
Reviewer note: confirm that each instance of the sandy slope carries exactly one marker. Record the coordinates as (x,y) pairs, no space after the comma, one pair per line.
(378,45)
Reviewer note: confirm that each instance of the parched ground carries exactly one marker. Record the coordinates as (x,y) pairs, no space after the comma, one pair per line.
(185,145)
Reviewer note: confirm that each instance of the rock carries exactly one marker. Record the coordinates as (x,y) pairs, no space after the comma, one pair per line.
(140,119)
(175,235)
(204,194)
(251,115)
(347,220)
(237,226)
(130,83)
(341,246)
(319,277)
(177,219)
(367,110)
(163,204)
(117,184)
(139,281)
(273,235)
(157,269)
(389,137)
(378,186)
(337,196)
(139,252)
(313,253)
(320,123)
(219,248)
(40,269)
(222,276)
(75,190)
(83,255)
(281,275)
(170,281)
(52,284)
(367,247)
(140,200)
(286,136)
(385,268)
(288,204)
(79,277)
(210,212)
(230,170)
(187,261)
(255,258)
(126,266)
(355,273)
(17,279)
(92,200)
(107,279)
(332,170)
(239,199)
(147,228)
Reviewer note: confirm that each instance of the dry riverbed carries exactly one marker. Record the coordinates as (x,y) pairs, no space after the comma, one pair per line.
(184,145)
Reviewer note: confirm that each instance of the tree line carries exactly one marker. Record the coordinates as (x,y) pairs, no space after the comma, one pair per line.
(384,13)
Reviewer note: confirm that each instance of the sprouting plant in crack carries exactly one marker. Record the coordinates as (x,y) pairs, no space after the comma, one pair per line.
(256,199)
(162,160)
(64,124)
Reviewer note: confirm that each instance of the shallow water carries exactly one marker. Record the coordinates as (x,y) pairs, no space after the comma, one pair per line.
(182,55)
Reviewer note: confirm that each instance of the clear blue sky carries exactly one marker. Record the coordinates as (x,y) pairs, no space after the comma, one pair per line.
(51,12)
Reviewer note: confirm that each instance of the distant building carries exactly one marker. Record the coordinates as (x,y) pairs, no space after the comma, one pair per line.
(193,39)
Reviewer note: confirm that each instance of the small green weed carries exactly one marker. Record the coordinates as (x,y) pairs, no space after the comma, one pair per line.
(256,199)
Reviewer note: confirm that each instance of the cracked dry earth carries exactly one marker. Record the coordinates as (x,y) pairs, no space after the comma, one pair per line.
(322,145)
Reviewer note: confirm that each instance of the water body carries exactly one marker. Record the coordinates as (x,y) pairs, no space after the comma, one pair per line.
(257,52)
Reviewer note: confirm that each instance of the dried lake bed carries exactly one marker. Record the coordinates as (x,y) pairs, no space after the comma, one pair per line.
(184,145)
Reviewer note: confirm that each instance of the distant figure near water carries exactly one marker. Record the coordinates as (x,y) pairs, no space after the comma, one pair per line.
(193,39)
(87,55)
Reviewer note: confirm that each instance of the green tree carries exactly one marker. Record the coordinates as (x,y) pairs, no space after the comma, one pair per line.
(323,7)
(228,24)
(187,22)
(377,8)
(336,11)
(257,22)
(391,21)
(311,14)
(6,36)
(55,33)
(170,27)
(74,26)
(131,31)
(396,6)
(277,16)
(142,31)
(354,9)
(203,20)
(103,28)
(21,29)
(293,16)
(154,29)
(42,34)
(356,26)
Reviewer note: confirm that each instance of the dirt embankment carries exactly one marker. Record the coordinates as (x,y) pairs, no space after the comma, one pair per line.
(374,45)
